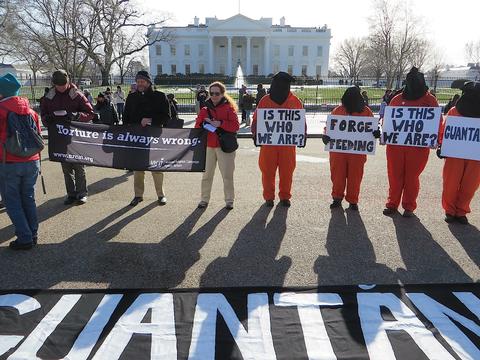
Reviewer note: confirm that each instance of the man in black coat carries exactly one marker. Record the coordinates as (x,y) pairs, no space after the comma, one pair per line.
(146,107)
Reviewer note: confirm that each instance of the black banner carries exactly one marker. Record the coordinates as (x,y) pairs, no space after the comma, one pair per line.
(365,322)
(128,147)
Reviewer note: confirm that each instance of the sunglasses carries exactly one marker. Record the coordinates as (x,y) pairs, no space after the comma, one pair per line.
(212,93)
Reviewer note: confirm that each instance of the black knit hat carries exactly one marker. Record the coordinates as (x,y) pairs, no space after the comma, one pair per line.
(143,75)
(59,77)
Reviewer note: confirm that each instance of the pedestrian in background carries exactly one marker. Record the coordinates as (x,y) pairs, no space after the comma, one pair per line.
(119,101)
(105,112)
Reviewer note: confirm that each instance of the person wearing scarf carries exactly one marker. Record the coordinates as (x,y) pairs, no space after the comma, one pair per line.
(406,163)
(461,177)
(277,157)
(346,170)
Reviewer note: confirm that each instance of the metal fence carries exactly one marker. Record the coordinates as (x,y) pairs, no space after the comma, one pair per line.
(318,95)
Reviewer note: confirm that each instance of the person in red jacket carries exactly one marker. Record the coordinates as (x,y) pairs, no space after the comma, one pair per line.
(278,157)
(220,112)
(406,163)
(346,170)
(65,102)
(18,175)
(461,177)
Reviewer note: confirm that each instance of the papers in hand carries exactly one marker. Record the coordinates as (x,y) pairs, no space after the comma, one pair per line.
(209,127)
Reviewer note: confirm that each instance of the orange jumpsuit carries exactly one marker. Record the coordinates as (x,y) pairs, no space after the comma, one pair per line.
(461,179)
(346,170)
(273,157)
(406,163)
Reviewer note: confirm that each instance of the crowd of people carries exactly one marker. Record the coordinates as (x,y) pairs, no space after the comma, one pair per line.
(217,114)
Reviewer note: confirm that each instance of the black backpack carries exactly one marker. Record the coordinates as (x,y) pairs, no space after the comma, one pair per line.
(23,138)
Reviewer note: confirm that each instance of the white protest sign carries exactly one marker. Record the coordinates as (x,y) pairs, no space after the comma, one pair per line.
(411,126)
(461,138)
(281,127)
(351,134)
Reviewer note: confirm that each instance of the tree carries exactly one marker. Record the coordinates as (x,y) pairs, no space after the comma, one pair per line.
(472,52)
(351,57)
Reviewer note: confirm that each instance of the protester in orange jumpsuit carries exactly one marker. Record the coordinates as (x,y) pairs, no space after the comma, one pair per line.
(461,177)
(346,170)
(406,163)
(281,157)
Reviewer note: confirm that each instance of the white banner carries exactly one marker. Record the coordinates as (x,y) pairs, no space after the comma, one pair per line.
(411,126)
(351,134)
(281,127)
(462,138)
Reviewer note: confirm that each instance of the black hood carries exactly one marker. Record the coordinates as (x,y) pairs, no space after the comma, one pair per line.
(353,100)
(209,103)
(280,87)
(415,86)
(469,103)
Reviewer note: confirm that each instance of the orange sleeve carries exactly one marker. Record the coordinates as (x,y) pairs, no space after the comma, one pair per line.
(231,122)
(201,115)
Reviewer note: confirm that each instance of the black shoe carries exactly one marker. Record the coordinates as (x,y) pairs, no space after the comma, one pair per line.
(82,200)
(389,211)
(229,206)
(162,201)
(408,214)
(269,203)
(69,200)
(136,200)
(449,218)
(462,220)
(285,202)
(202,205)
(353,207)
(14,245)
(336,203)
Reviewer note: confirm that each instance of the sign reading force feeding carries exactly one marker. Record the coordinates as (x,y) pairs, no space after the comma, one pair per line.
(351,134)
(127,147)
(461,138)
(384,323)
(411,126)
(281,127)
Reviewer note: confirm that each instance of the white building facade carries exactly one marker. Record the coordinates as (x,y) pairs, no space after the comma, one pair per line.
(257,46)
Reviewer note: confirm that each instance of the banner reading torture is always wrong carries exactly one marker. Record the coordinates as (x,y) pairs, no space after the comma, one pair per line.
(128,147)
(343,322)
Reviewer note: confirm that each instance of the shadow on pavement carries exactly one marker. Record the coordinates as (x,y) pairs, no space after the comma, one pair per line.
(54,207)
(252,260)
(469,237)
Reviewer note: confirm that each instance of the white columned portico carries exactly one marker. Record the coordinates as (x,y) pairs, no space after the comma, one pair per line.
(267,56)
(248,70)
(210,55)
(229,56)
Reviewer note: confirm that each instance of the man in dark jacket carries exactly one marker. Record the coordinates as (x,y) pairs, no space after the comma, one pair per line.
(65,102)
(146,107)
(105,112)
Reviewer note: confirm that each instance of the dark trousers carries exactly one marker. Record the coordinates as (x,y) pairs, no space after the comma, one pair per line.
(75,180)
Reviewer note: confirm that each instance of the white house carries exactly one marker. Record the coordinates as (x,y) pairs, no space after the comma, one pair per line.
(257,46)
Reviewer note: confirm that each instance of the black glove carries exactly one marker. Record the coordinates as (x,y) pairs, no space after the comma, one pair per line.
(325,139)
(376,134)
(439,154)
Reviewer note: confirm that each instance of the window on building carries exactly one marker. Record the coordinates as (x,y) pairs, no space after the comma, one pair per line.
(305,50)
(291,49)
(173,69)
(290,69)
(304,70)
(201,68)
(201,50)
(158,50)
(255,69)
(319,51)
(276,68)
(318,70)
(187,50)
(276,50)
(173,50)
(159,69)
(187,69)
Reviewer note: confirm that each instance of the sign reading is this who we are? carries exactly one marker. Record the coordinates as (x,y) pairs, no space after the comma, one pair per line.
(281,127)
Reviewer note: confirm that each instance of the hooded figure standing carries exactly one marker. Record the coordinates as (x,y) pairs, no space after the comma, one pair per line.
(406,163)
(277,156)
(461,177)
(346,170)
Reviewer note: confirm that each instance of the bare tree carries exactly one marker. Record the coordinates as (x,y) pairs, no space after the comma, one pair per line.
(472,52)
(123,45)
(351,57)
